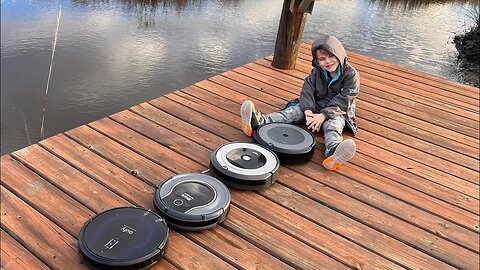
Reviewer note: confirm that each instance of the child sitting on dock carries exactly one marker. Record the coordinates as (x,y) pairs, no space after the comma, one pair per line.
(327,100)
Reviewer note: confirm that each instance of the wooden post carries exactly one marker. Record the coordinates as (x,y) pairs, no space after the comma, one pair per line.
(290,32)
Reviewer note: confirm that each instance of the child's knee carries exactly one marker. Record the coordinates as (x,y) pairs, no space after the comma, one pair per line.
(335,124)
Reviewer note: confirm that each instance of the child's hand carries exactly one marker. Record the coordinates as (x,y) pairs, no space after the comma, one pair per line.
(308,116)
(315,121)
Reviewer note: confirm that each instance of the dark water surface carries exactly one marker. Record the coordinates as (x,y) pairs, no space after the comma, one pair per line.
(113,54)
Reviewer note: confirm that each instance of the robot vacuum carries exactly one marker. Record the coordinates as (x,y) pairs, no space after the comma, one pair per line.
(291,143)
(123,238)
(192,202)
(245,165)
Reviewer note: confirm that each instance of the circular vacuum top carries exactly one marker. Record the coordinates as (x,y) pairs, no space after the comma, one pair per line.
(285,138)
(245,165)
(123,238)
(192,201)
(246,159)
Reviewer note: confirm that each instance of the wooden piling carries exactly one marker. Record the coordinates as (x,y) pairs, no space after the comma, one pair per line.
(289,36)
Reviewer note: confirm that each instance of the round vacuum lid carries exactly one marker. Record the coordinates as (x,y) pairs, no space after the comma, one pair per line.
(245,165)
(246,159)
(285,138)
(123,238)
(192,201)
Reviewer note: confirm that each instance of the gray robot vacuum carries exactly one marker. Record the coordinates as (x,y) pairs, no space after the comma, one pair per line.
(192,202)
(291,143)
(245,165)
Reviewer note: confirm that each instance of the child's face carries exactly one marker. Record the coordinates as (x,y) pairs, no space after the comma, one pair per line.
(327,61)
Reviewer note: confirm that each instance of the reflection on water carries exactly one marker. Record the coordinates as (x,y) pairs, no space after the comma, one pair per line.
(416,4)
(114,54)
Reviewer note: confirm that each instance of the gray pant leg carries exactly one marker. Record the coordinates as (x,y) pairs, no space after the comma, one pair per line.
(332,130)
(289,115)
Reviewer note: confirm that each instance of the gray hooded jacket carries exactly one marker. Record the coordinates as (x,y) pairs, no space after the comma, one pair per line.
(329,96)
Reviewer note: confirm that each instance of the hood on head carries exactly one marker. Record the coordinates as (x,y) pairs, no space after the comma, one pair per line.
(330,44)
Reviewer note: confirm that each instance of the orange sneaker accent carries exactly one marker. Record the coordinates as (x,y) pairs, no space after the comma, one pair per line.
(247,129)
(330,164)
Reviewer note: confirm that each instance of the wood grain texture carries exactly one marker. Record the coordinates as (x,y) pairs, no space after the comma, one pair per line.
(16,257)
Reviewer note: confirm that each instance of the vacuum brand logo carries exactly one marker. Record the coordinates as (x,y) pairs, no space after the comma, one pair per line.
(126,229)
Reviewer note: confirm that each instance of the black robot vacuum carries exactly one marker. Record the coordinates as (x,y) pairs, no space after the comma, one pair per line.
(245,165)
(123,238)
(291,143)
(192,202)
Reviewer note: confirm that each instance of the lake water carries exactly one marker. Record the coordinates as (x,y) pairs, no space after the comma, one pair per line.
(113,54)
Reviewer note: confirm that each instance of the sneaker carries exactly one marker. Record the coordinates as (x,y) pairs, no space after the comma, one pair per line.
(343,153)
(250,117)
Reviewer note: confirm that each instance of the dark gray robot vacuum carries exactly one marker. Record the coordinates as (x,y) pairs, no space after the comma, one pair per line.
(123,238)
(245,165)
(192,201)
(291,143)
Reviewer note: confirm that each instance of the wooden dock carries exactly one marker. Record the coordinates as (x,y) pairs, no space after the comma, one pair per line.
(408,200)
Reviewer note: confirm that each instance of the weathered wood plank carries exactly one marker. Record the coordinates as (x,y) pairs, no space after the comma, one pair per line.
(429,243)
(284,193)
(47,241)
(185,254)
(115,179)
(158,153)
(16,257)
(124,158)
(314,235)
(68,179)
(423,116)
(267,83)
(41,194)
(262,95)
(242,254)
(171,122)
(215,88)
(439,192)
(371,112)
(430,104)
(298,254)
